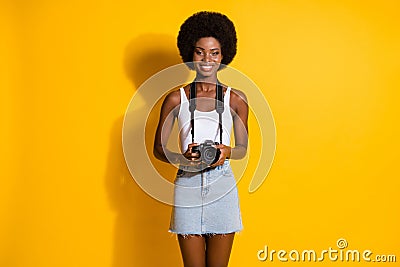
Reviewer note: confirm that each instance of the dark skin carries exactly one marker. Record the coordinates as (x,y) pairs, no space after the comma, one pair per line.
(169,113)
(204,250)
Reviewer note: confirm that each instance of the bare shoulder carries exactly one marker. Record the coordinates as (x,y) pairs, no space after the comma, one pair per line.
(173,98)
(238,96)
(170,102)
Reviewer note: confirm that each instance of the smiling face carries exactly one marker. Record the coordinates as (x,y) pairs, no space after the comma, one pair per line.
(207,56)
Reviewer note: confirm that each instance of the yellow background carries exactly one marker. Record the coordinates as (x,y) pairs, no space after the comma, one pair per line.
(329,70)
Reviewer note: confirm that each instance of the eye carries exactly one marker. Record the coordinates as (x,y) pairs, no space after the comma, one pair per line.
(198,52)
(216,53)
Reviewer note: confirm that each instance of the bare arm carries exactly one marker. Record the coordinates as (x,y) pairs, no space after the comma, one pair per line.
(168,114)
(240,117)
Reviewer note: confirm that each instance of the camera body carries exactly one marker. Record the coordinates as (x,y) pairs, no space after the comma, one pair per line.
(208,153)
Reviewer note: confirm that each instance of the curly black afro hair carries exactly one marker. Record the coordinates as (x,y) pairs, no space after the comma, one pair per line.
(207,24)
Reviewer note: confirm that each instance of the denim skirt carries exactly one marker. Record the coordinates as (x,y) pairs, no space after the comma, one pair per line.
(206,202)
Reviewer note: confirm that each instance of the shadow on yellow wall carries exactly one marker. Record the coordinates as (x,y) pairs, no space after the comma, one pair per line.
(141,223)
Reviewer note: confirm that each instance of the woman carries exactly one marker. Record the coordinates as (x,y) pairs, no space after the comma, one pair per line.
(206,214)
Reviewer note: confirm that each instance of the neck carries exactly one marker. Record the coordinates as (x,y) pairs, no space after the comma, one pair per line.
(206,83)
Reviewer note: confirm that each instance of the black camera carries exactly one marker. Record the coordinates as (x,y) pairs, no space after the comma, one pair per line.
(208,153)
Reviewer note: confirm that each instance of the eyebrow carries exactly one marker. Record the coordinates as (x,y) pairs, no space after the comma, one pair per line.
(205,49)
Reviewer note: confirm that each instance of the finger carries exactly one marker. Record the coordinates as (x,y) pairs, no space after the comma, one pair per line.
(218,162)
(192,144)
(195,154)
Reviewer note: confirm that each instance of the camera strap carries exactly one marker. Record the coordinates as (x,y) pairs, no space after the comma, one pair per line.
(219,107)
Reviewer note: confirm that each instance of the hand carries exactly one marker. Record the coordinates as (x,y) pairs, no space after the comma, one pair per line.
(190,161)
(225,153)
(193,156)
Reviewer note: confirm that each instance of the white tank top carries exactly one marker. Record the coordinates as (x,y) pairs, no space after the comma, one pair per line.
(206,123)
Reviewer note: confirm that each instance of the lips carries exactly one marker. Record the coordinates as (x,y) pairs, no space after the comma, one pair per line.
(206,68)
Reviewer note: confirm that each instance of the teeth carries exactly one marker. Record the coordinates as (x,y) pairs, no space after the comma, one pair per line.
(206,67)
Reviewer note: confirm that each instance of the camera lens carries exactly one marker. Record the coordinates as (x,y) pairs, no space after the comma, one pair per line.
(208,154)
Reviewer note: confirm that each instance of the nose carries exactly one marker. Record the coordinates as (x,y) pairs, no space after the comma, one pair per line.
(207,57)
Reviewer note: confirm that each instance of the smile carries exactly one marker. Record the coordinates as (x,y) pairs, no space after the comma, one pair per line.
(206,67)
